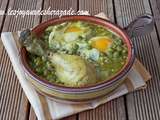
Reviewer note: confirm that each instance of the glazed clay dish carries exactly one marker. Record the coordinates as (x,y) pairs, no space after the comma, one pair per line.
(84,93)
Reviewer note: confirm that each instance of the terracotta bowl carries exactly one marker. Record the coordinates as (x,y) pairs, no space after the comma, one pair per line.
(78,94)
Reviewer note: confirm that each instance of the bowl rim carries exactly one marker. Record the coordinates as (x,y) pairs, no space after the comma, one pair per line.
(96,20)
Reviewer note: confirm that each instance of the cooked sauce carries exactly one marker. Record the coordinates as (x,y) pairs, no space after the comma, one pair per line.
(99,46)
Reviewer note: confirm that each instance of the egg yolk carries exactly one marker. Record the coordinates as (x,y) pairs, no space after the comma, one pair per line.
(73,29)
(101,44)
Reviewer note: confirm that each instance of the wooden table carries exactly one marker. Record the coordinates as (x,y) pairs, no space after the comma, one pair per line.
(140,105)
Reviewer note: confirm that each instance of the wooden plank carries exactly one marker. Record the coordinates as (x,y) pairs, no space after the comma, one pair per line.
(73,117)
(19,23)
(59,5)
(115,109)
(13,102)
(1,47)
(32,115)
(24,108)
(97,6)
(10,94)
(37,19)
(143,104)
(3,5)
(155,5)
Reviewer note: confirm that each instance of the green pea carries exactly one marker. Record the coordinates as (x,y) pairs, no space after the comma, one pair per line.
(102,54)
(110,50)
(122,63)
(39,71)
(101,58)
(89,42)
(124,57)
(124,51)
(110,54)
(118,42)
(49,76)
(116,54)
(48,64)
(45,72)
(114,36)
(43,58)
(102,63)
(114,46)
(112,70)
(118,48)
(106,61)
(37,61)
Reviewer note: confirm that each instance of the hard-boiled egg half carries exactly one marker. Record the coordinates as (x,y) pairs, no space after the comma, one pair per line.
(101,43)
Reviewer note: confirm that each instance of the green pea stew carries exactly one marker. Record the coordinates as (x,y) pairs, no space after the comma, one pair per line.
(78,50)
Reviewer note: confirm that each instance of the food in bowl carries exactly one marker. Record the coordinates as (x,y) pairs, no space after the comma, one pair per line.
(34,44)
(108,41)
(76,53)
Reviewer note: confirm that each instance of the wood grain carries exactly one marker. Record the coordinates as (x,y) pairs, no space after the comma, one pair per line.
(58,5)
(32,115)
(10,95)
(3,6)
(13,104)
(113,110)
(145,103)
(97,6)
(155,5)
(73,117)
(24,108)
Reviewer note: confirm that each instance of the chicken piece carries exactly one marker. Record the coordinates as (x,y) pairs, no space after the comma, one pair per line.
(73,70)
